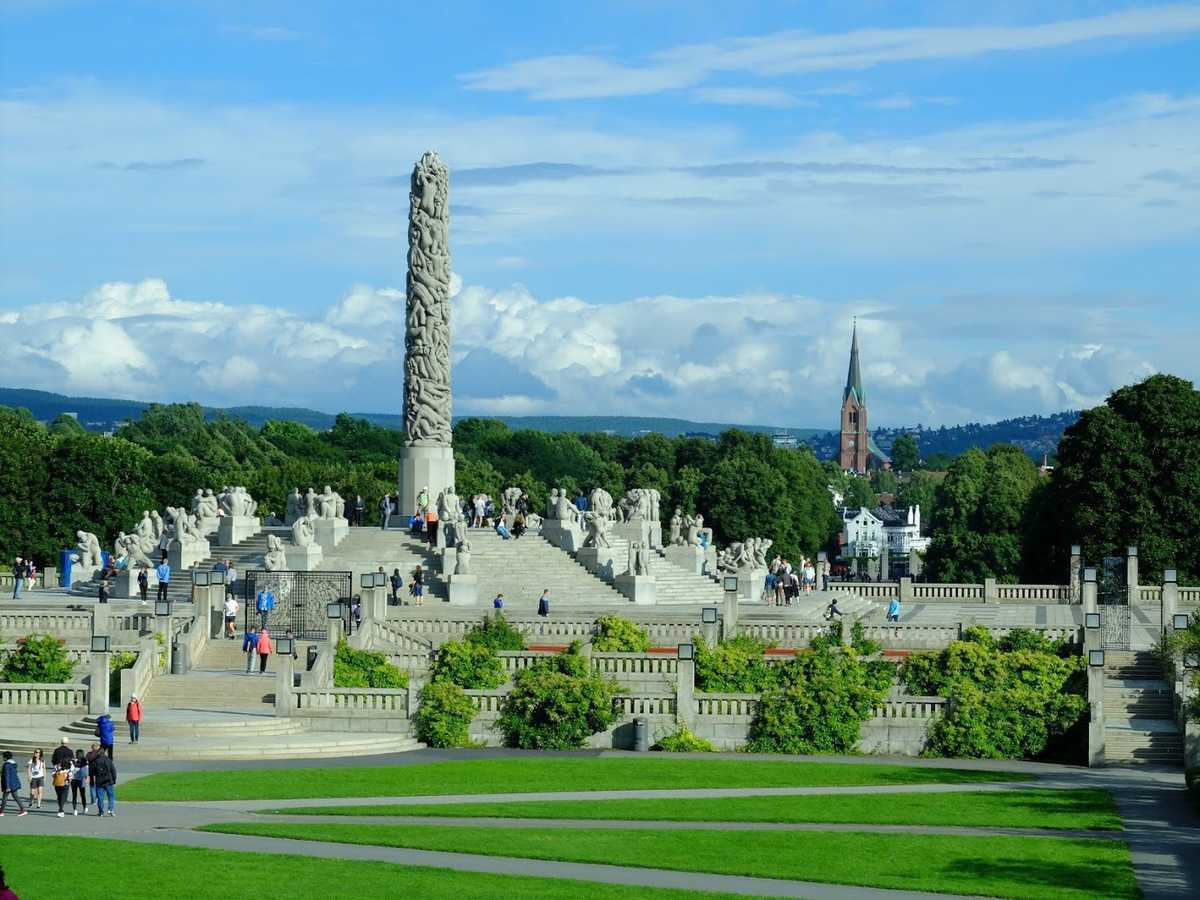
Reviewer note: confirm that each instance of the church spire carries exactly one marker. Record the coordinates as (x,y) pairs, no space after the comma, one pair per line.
(853,376)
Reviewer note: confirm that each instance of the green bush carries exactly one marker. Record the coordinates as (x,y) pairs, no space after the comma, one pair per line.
(683,741)
(820,703)
(859,641)
(365,669)
(735,666)
(557,704)
(469,665)
(496,632)
(617,635)
(1009,699)
(39,659)
(117,663)
(444,717)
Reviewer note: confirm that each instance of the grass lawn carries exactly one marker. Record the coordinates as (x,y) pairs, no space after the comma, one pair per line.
(502,776)
(41,868)
(1018,867)
(1080,809)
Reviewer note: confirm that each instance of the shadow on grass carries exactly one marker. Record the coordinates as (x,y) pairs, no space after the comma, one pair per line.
(1102,876)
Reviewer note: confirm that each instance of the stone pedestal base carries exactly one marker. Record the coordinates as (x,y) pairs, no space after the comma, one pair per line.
(302,559)
(638,588)
(655,529)
(428,467)
(751,582)
(125,585)
(449,560)
(181,557)
(328,533)
(631,531)
(464,590)
(235,529)
(600,561)
(208,526)
(80,574)
(688,558)
(568,536)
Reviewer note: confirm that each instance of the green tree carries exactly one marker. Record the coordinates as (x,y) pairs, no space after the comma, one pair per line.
(617,635)
(444,716)
(978,525)
(859,493)
(557,704)
(25,527)
(474,666)
(1128,474)
(919,489)
(38,659)
(64,424)
(906,454)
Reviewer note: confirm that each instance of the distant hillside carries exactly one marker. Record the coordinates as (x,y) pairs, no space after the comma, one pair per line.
(98,414)
(1033,434)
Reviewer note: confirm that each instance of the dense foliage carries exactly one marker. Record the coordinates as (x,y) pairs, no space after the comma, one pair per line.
(117,663)
(1173,649)
(496,633)
(38,659)
(617,635)
(365,669)
(469,665)
(736,665)
(444,717)
(684,741)
(1012,698)
(557,704)
(820,700)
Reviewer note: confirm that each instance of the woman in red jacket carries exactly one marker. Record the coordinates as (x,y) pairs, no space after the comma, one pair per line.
(133,717)
(264,650)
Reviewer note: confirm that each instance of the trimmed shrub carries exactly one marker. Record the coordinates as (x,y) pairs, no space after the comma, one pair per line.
(365,669)
(39,659)
(557,704)
(617,635)
(820,703)
(444,717)
(496,632)
(117,663)
(683,741)
(469,665)
(735,666)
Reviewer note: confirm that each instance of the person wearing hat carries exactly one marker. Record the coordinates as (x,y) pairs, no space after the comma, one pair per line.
(133,717)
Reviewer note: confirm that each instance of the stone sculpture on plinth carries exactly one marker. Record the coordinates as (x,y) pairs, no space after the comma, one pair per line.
(187,545)
(463,584)
(304,553)
(637,583)
(87,559)
(426,459)
(239,515)
(275,559)
(748,560)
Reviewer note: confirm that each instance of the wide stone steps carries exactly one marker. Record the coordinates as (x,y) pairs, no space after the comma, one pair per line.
(203,691)
(160,724)
(522,568)
(299,745)
(366,549)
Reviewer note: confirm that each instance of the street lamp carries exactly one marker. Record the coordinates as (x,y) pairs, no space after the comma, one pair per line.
(367,580)
(162,608)
(731,584)
(100,643)
(1170,576)
(217,577)
(201,578)
(687,651)
(1091,620)
(1089,573)
(284,646)
(708,615)
(1096,658)
(1076,550)
(334,610)
(1180,621)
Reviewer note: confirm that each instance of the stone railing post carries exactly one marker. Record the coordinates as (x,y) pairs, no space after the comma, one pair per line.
(1131,574)
(284,682)
(729,614)
(906,589)
(1088,591)
(1170,600)
(990,594)
(685,692)
(1095,693)
(847,623)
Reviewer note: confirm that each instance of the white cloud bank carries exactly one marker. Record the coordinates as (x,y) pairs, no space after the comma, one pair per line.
(755,358)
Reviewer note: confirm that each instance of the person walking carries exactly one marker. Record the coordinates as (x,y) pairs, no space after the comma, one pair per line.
(543,608)
(498,603)
(250,645)
(106,782)
(360,509)
(264,650)
(18,576)
(133,717)
(397,583)
(231,575)
(102,591)
(163,571)
(10,785)
(61,780)
(431,526)
(90,758)
(263,604)
(106,731)
(231,614)
(62,754)
(143,583)
(37,778)
(418,586)
(385,512)
(79,783)
(893,613)
(356,612)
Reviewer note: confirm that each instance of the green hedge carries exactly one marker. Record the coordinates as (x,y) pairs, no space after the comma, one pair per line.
(684,741)
(469,665)
(557,704)
(39,659)
(735,666)
(444,717)
(617,635)
(365,669)
(496,632)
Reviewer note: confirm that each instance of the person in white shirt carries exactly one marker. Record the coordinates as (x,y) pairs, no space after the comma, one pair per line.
(231,612)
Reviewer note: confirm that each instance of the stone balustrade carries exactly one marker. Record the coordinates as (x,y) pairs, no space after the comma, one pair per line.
(727,708)
(783,634)
(871,590)
(924,708)
(351,701)
(60,624)
(955,593)
(15,697)
(1189,596)
(1033,593)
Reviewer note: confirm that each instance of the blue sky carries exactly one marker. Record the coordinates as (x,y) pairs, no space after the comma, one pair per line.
(658,207)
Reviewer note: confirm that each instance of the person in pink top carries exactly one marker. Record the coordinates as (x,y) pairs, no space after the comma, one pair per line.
(264,650)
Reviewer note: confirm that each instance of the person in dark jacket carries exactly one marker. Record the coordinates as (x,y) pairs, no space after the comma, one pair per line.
(397,583)
(10,783)
(143,583)
(62,754)
(543,607)
(105,731)
(105,772)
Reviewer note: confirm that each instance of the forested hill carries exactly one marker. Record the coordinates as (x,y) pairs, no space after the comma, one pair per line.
(1033,434)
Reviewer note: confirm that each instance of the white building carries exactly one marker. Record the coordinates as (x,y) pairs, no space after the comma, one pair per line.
(866,531)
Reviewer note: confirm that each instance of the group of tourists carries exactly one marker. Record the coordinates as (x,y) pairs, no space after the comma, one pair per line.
(85,779)
(785,583)
(24,575)
(256,643)
(416,587)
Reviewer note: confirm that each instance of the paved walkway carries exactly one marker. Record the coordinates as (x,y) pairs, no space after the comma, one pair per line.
(1161,826)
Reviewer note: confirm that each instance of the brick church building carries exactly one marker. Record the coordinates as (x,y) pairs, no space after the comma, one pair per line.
(857,449)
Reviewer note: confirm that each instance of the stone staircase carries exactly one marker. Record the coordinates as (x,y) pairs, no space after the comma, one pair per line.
(366,549)
(1139,714)
(672,583)
(522,568)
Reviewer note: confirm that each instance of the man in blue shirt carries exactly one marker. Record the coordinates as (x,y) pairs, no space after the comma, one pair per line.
(893,613)
(163,571)
(264,603)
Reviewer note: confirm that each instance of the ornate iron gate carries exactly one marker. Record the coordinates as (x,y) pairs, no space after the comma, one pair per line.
(301,600)
(1112,595)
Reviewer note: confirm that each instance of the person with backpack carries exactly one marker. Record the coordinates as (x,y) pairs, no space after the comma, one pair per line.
(61,779)
(397,583)
(105,731)
(10,784)
(105,772)
(543,608)
(250,645)
(133,717)
(79,783)
(498,603)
